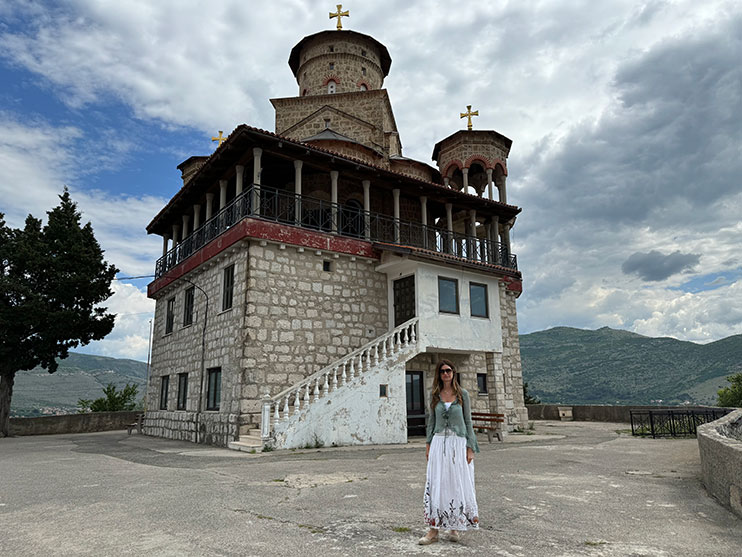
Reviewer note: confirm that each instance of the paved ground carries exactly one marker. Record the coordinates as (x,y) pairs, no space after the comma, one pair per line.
(573,488)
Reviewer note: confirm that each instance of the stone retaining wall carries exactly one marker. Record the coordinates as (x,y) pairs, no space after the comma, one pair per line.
(720,445)
(596,412)
(72,423)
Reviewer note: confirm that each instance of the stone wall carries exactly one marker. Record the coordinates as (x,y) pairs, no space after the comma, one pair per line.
(358,115)
(301,318)
(348,55)
(594,412)
(181,351)
(515,411)
(720,447)
(72,423)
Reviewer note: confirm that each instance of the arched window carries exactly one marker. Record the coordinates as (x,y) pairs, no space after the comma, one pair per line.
(331,85)
(363,87)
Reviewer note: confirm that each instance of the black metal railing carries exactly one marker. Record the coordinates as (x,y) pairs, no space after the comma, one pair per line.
(672,423)
(268,203)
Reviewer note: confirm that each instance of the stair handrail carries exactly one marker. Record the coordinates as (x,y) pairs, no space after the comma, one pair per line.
(400,332)
(345,359)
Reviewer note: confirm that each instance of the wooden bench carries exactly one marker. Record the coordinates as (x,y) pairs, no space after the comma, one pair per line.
(489,422)
(137,424)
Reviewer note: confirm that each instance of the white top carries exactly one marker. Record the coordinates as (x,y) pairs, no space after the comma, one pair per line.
(448,405)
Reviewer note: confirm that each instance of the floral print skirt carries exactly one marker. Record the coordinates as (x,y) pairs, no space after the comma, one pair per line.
(450,499)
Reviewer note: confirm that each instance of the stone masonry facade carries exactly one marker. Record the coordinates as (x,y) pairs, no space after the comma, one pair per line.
(301,317)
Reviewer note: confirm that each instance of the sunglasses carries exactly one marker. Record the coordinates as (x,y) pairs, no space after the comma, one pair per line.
(446,370)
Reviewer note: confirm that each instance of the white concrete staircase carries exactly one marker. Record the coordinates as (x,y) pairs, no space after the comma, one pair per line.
(343,403)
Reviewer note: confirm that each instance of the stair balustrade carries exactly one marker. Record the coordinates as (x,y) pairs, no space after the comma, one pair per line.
(291,401)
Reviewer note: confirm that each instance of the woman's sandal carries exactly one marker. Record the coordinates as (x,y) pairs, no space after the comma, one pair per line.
(425,540)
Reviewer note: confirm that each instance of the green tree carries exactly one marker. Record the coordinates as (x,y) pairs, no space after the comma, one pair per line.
(527,397)
(731,396)
(52,279)
(114,401)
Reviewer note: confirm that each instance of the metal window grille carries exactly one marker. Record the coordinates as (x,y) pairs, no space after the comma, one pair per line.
(182,391)
(228,289)
(214,388)
(164,385)
(170,316)
(188,306)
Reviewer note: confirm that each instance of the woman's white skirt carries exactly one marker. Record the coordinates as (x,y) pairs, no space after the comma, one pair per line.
(450,499)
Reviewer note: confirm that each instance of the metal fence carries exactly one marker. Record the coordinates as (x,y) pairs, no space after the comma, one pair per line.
(673,423)
(268,203)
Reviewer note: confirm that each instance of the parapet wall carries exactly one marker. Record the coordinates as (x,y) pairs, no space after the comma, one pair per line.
(720,445)
(72,423)
(594,412)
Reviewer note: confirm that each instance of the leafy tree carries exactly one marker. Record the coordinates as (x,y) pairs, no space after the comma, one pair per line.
(114,401)
(731,396)
(527,397)
(52,279)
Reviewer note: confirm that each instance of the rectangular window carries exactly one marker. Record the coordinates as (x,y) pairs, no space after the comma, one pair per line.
(482,383)
(188,306)
(164,385)
(478,298)
(170,316)
(448,295)
(182,390)
(228,287)
(214,388)
(332,65)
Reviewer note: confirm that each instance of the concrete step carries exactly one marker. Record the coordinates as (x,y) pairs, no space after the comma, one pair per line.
(254,432)
(247,443)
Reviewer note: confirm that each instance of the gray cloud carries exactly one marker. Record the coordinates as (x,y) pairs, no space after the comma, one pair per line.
(654,266)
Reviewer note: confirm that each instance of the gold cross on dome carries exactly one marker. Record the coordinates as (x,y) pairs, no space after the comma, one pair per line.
(221,139)
(340,14)
(468,114)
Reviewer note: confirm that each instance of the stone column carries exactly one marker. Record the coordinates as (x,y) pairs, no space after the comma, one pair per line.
(395,193)
(334,199)
(297,191)
(496,240)
(209,205)
(165,240)
(424,218)
(367,208)
(489,182)
(186,221)
(196,217)
(502,189)
(257,170)
(176,232)
(506,241)
(472,251)
(239,171)
(449,226)
(446,181)
(222,194)
(465,172)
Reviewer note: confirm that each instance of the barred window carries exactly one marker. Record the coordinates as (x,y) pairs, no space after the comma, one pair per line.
(188,306)
(164,385)
(228,288)
(214,388)
(170,316)
(182,391)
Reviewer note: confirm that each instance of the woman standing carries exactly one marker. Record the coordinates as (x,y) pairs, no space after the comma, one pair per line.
(450,500)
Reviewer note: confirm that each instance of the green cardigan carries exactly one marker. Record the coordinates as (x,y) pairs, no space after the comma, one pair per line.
(456,419)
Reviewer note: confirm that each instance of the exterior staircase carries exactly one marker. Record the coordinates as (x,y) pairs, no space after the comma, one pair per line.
(358,399)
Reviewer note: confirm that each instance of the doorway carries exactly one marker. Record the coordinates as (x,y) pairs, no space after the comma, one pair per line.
(404,299)
(415,403)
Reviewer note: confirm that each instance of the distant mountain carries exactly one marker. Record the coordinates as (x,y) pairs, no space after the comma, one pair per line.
(37,392)
(610,366)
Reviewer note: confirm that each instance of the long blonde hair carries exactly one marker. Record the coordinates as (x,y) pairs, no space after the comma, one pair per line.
(438,384)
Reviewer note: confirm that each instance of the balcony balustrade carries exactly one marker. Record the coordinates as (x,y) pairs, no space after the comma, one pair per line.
(263,202)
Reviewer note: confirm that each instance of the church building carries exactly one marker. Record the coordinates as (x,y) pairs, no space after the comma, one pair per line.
(312,276)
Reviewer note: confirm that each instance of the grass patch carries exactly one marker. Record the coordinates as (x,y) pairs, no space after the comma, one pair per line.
(277,480)
(623,431)
(401,529)
(591,543)
(312,529)
(267,448)
(263,517)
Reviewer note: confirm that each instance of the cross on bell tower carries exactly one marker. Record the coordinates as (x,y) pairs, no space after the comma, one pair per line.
(340,14)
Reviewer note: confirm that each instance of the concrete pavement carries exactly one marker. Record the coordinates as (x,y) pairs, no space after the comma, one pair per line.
(571,489)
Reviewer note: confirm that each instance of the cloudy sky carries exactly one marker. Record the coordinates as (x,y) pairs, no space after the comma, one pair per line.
(625,116)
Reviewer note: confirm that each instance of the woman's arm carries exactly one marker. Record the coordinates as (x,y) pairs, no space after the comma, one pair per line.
(471,437)
(430,427)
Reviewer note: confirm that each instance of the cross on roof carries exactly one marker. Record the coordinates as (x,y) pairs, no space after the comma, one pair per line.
(340,14)
(220,139)
(468,114)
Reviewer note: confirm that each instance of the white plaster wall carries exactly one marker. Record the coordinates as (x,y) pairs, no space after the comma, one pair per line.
(445,331)
(354,414)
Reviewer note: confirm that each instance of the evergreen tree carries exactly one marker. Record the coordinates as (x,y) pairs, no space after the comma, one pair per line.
(731,396)
(51,282)
(527,397)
